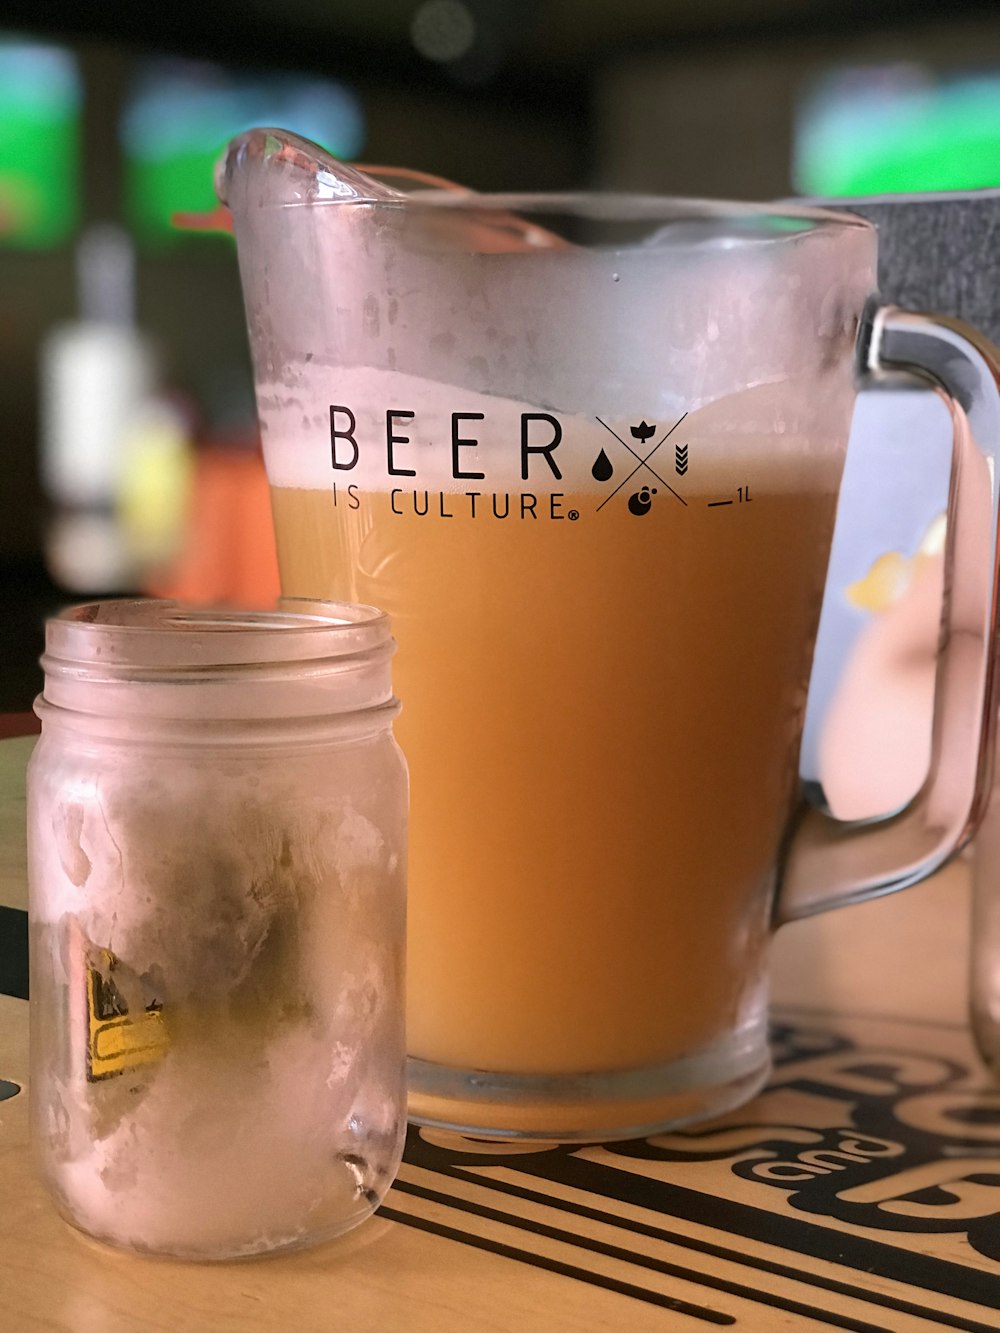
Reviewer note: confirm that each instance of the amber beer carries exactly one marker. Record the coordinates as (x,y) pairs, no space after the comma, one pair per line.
(601,710)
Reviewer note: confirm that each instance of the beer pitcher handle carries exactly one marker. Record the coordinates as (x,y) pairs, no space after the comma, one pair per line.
(829,862)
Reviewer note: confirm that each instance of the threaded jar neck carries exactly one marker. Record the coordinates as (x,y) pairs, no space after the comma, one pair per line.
(160,663)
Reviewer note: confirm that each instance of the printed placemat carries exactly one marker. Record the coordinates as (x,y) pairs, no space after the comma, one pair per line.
(860,1190)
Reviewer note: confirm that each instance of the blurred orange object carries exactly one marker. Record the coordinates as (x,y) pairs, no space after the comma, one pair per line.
(228,554)
(216,219)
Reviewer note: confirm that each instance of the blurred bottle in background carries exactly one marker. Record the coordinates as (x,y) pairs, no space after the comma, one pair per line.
(114,456)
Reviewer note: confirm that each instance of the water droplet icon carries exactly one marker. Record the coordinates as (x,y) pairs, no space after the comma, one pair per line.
(603,468)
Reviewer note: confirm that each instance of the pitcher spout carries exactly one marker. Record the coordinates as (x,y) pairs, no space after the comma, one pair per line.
(271,167)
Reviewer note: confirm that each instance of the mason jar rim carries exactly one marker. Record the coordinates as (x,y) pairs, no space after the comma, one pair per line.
(188,671)
(162,635)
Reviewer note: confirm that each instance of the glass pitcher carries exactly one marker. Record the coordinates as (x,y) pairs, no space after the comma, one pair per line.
(586,451)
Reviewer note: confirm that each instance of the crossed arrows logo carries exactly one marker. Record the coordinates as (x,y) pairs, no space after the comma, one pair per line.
(603,469)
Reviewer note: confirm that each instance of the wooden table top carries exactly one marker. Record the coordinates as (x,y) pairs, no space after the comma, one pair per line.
(861,1190)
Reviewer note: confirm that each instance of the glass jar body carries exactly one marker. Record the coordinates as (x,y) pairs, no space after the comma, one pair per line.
(217,935)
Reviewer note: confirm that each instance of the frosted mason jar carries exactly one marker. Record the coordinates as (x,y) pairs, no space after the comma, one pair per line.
(216,829)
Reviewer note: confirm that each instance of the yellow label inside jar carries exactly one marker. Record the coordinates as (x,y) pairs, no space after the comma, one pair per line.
(118,1039)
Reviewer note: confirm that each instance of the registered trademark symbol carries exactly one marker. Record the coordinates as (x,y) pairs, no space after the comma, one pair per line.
(573,514)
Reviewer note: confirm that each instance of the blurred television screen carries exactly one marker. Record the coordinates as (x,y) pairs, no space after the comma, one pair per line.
(180,114)
(900,128)
(40,107)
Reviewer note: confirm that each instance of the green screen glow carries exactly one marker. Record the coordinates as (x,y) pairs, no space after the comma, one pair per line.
(181,115)
(39,144)
(898,129)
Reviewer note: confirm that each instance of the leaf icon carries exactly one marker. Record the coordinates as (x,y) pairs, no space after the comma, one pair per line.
(602,469)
